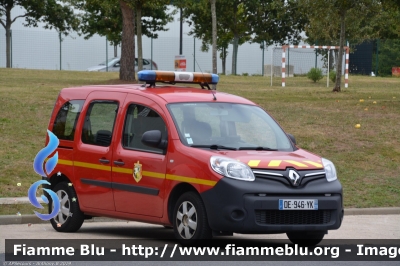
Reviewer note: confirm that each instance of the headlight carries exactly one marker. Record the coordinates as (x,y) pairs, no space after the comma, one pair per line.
(330,170)
(231,168)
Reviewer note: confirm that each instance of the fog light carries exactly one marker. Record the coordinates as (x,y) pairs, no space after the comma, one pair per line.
(237,215)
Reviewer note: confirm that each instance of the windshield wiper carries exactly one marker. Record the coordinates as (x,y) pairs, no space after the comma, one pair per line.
(214,147)
(259,148)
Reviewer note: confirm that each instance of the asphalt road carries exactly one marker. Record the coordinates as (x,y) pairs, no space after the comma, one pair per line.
(353,227)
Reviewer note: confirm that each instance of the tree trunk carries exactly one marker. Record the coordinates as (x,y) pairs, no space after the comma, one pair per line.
(234,54)
(214,40)
(115,51)
(340,57)
(139,34)
(127,63)
(8,47)
(214,37)
(223,58)
(8,36)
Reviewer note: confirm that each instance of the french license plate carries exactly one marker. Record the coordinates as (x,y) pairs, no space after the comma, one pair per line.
(298,204)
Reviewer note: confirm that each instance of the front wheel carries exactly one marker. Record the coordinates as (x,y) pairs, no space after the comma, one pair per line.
(306,239)
(70,218)
(190,219)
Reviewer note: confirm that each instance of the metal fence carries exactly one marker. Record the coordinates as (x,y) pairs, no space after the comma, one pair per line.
(35,49)
(45,49)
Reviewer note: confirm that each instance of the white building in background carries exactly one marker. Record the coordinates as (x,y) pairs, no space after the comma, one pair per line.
(38,48)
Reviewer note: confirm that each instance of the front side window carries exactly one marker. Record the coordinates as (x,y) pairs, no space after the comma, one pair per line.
(66,119)
(99,123)
(138,120)
(237,126)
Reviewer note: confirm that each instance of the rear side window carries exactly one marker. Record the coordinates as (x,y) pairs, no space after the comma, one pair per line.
(99,123)
(66,119)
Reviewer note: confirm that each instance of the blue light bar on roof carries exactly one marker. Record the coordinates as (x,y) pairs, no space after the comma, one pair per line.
(152,76)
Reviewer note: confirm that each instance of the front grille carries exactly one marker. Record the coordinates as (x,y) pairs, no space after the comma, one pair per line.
(292,217)
(282,176)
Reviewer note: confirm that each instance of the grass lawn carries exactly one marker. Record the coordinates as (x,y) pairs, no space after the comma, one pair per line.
(367,158)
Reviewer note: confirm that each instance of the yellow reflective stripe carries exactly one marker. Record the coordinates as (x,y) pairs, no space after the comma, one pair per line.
(122,170)
(191,180)
(275,163)
(92,166)
(65,162)
(314,163)
(296,163)
(152,174)
(253,163)
(144,173)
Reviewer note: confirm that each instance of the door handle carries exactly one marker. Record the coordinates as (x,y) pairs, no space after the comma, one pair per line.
(119,163)
(104,161)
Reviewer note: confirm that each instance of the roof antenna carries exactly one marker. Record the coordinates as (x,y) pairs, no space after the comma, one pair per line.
(212,91)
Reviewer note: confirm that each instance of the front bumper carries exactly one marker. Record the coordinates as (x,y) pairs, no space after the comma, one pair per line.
(235,206)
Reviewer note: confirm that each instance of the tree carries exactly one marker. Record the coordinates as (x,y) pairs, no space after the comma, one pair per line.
(279,22)
(214,37)
(159,18)
(50,12)
(109,17)
(337,20)
(127,62)
(204,13)
(241,21)
(389,56)
(102,17)
(230,25)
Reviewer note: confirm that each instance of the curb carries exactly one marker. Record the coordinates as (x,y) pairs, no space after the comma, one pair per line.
(18,200)
(372,211)
(33,219)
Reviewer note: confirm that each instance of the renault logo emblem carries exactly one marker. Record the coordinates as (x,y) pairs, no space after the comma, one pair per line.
(294,176)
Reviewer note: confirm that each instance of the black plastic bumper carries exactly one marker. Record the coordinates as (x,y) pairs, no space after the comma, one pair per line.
(253,207)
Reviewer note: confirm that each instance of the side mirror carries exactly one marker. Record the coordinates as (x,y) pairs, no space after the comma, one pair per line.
(153,138)
(292,138)
(117,65)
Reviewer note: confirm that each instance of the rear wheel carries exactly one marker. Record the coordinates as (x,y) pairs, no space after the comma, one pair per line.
(306,239)
(70,218)
(190,219)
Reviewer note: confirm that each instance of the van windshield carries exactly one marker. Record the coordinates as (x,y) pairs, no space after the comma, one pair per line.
(228,126)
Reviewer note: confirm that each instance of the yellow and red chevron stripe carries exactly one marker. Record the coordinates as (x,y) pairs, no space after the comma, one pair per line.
(282,163)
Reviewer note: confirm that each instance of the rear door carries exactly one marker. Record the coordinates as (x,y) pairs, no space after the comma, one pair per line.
(138,171)
(92,161)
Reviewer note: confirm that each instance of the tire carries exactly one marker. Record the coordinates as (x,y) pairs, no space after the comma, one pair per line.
(70,218)
(306,239)
(190,219)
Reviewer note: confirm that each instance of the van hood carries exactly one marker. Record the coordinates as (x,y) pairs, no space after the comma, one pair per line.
(279,160)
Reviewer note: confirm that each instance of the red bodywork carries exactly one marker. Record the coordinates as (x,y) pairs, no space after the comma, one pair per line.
(160,172)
